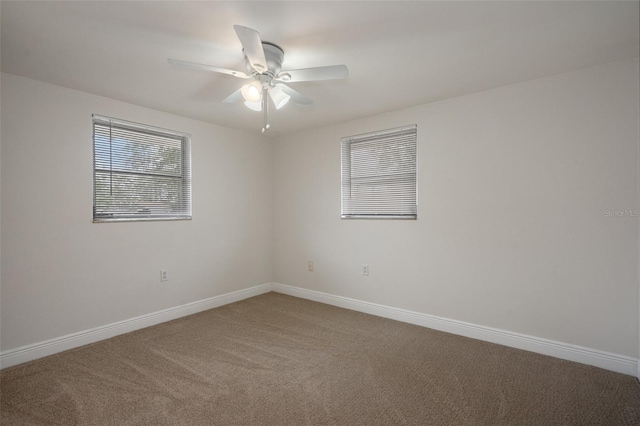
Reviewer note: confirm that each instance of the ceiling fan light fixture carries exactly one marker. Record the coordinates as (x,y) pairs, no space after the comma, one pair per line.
(278,96)
(252,92)
(255,106)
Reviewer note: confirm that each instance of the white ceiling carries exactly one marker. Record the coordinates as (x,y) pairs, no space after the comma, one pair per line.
(399,54)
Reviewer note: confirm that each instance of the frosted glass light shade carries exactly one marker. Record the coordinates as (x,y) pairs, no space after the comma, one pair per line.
(252,92)
(278,96)
(256,106)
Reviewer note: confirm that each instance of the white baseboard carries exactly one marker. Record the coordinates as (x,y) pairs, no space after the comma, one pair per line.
(606,360)
(70,341)
(609,361)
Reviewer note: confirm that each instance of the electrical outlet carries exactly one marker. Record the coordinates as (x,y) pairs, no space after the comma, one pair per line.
(365,269)
(310,265)
(164,275)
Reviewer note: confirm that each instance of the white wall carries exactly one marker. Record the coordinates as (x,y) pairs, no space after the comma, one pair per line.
(512,233)
(514,185)
(63,274)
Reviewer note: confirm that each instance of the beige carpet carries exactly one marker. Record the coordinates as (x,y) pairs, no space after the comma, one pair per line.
(279,360)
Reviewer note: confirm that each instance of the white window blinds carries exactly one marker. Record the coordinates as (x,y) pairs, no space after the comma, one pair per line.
(379,174)
(139,172)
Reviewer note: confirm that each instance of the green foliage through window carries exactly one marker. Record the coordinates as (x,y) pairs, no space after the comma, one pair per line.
(140,172)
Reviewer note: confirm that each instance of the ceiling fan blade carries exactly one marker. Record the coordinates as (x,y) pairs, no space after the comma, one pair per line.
(331,72)
(195,66)
(235,97)
(252,45)
(297,97)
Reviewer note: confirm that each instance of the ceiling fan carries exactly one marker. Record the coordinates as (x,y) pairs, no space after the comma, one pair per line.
(264,69)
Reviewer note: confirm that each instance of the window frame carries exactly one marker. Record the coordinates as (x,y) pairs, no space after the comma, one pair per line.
(185,177)
(347,209)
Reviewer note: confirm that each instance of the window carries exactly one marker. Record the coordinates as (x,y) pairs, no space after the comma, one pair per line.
(139,172)
(379,174)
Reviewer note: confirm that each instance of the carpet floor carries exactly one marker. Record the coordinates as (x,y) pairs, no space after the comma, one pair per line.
(279,360)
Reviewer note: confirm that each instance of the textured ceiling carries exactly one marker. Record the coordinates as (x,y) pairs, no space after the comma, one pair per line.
(399,54)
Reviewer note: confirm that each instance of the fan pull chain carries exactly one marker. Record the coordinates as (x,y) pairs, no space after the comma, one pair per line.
(265,111)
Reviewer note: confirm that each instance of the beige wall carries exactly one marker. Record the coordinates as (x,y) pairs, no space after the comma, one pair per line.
(512,231)
(63,274)
(514,185)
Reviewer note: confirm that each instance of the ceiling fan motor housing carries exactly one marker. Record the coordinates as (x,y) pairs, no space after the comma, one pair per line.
(274,56)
